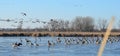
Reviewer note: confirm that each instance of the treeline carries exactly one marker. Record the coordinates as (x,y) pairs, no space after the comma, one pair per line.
(81,24)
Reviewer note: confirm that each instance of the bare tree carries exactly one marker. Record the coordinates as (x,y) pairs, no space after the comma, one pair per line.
(66,25)
(61,25)
(88,24)
(102,24)
(53,25)
(83,24)
(77,24)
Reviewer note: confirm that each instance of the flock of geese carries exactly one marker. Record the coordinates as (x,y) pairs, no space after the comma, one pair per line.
(66,41)
(18,22)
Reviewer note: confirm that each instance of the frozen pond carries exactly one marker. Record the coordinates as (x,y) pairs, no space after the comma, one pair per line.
(59,49)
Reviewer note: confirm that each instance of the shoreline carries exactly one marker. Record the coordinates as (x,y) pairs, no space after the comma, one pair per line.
(57,34)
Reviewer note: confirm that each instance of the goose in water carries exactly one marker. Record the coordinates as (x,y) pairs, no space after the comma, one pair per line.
(84,40)
(49,44)
(16,44)
(28,41)
(31,44)
(36,40)
(36,44)
(53,43)
(58,40)
(77,41)
(110,40)
(67,42)
(98,41)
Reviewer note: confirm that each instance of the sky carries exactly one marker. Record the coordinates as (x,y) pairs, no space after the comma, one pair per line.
(58,9)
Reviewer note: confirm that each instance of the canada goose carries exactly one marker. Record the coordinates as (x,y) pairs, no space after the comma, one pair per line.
(98,41)
(84,41)
(58,40)
(23,13)
(27,41)
(49,44)
(53,43)
(31,44)
(67,42)
(16,44)
(36,44)
(19,44)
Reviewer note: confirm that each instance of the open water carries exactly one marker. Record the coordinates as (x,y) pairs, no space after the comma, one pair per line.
(60,49)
